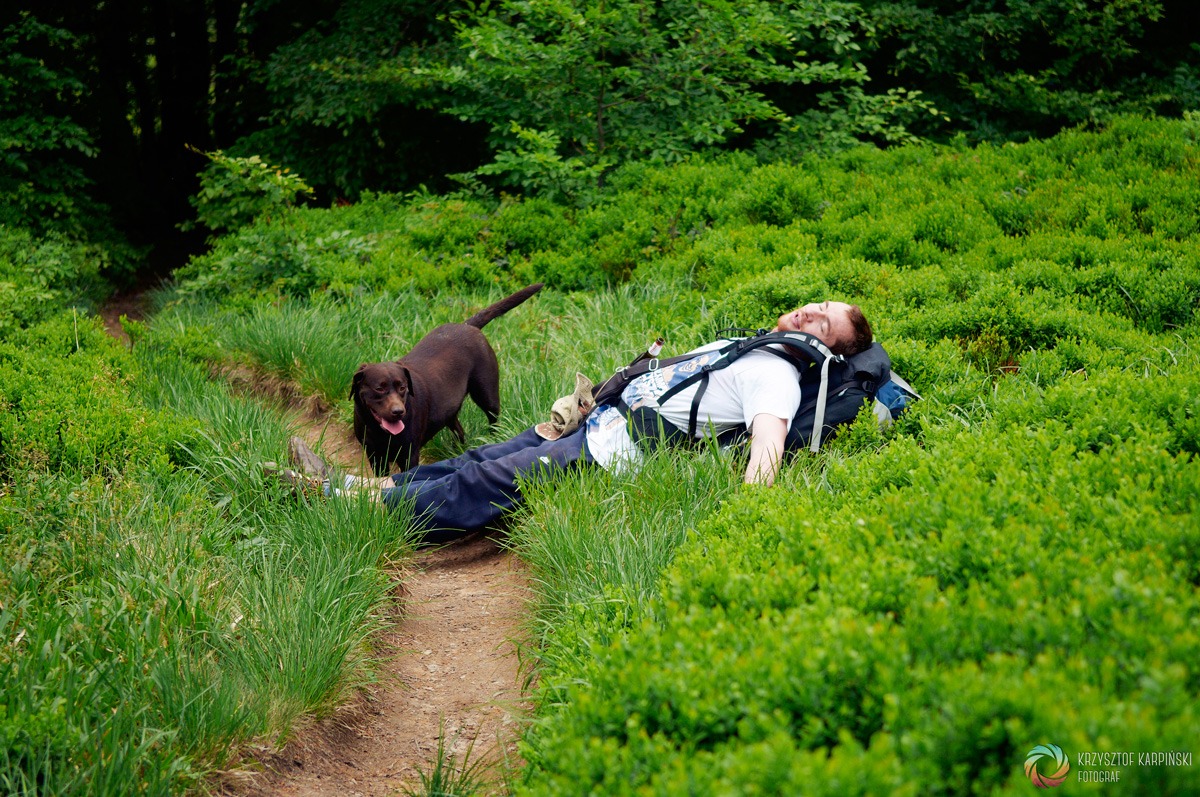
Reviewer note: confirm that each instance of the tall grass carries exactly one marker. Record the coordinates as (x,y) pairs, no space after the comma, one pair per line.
(591,534)
(308,573)
(540,344)
(156,621)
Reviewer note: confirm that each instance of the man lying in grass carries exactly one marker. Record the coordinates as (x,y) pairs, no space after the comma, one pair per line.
(758,392)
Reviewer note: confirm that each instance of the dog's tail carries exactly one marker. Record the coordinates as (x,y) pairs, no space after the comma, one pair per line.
(503,306)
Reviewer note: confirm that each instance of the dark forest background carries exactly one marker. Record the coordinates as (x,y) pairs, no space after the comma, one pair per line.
(107,107)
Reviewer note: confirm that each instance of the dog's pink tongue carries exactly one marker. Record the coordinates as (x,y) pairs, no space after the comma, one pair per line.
(393,427)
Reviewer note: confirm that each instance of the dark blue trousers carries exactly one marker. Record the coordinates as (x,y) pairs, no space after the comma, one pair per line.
(457,496)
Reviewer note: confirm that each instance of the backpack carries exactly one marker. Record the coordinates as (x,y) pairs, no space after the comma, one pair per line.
(852,381)
(833,388)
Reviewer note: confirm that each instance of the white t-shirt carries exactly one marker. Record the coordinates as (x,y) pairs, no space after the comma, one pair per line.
(757,382)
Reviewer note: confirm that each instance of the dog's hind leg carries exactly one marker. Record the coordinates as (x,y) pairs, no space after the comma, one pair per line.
(486,394)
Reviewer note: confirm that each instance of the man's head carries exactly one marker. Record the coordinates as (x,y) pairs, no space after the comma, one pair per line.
(839,326)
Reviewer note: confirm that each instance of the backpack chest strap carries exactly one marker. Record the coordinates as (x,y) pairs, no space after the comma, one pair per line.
(796,348)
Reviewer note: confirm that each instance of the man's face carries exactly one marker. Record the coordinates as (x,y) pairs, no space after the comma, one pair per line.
(828,321)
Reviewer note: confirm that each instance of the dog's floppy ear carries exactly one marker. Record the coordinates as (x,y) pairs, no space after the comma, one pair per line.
(357,380)
(407,378)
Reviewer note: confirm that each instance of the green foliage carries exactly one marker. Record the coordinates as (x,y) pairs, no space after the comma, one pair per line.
(236,191)
(396,95)
(534,164)
(1083,223)
(844,119)
(346,72)
(46,152)
(348,107)
(624,80)
(165,606)
(161,605)
(40,275)
(355,102)
(1022,69)
(892,617)
(910,603)
(64,403)
(41,145)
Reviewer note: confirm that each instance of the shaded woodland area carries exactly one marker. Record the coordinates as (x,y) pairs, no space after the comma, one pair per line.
(101,101)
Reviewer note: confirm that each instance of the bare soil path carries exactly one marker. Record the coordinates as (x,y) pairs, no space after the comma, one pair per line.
(451,666)
(132,303)
(452,670)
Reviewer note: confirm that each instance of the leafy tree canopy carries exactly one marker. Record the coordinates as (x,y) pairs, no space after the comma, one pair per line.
(617,80)
(41,145)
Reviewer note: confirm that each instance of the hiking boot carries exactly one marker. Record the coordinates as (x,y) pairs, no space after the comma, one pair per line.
(306,459)
(300,484)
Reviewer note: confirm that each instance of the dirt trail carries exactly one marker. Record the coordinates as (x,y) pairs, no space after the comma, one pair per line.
(451,659)
(133,304)
(453,671)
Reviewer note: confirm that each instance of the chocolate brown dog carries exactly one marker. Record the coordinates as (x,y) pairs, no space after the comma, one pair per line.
(399,406)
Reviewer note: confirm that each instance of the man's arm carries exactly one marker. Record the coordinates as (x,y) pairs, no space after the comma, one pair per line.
(767,435)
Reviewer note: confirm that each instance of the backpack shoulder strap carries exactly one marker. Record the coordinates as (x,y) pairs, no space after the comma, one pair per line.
(798,348)
(609,391)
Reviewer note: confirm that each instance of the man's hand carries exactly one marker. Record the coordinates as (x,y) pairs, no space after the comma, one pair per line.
(767,434)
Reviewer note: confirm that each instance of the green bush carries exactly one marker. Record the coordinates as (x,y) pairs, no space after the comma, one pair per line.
(913,607)
(65,404)
(912,600)
(1114,207)
(1029,68)
(42,146)
(40,275)
(621,81)
(235,191)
